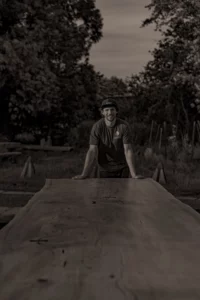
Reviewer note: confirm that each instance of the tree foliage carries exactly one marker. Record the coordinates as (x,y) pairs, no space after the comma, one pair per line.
(44,60)
(117,89)
(169,85)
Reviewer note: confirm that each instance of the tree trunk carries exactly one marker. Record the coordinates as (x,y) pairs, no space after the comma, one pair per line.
(187,122)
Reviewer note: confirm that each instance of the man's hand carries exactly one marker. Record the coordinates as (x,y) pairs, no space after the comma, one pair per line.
(138,177)
(79,177)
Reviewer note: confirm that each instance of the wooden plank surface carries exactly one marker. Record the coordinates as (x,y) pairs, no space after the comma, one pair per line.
(101,239)
(194,202)
(8,213)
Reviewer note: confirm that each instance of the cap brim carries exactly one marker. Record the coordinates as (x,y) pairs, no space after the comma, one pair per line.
(109,105)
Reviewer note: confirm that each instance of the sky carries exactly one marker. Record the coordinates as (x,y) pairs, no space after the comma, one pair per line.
(124,48)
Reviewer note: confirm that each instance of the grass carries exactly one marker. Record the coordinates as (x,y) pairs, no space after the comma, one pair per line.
(180,175)
(61,166)
(54,166)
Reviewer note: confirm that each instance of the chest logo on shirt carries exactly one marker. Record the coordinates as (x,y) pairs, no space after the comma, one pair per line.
(117,135)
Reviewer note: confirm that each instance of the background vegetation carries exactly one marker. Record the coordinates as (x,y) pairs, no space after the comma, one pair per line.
(48,85)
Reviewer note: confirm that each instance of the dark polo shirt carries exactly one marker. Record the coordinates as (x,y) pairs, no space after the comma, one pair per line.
(110,142)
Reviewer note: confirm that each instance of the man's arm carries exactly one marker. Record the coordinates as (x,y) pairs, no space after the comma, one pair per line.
(130,159)
(91,158)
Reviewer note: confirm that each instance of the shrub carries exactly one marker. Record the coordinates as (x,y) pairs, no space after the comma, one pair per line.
(79,136)
(25,138)
(140,133)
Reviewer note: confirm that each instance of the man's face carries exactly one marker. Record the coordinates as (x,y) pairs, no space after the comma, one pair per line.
(109,113)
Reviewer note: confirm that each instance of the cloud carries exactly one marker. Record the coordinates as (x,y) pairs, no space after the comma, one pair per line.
(124,48)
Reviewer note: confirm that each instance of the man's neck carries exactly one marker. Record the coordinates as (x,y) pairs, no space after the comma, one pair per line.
(110,124)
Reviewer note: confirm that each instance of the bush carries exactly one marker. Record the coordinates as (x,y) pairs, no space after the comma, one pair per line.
(173,153)
(140,133)
(79,136)
(25,138)
(3,138)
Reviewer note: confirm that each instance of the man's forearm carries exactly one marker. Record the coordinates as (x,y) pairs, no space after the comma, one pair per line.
(89,162)
(130,161)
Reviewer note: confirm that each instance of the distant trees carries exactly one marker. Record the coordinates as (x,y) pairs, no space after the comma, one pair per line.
(47,83)
(117,89)
(169,87)
(45,72)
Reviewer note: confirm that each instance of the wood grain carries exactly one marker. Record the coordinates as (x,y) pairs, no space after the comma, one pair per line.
(101,239)
(8,213)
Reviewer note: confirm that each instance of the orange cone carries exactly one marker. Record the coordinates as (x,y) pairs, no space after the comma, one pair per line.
(28,168)
(159,174)
(24,171)
(156,174)
(162,177)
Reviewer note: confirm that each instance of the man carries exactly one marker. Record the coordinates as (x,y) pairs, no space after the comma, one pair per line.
(110,146)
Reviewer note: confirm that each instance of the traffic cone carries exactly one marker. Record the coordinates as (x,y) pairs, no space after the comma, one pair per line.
(31,168)
(162,177)
(28,168)
(159,174)
(156,174)
(23,173)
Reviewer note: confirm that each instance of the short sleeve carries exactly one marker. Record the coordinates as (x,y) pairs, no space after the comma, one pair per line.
(127,136)
(94,135)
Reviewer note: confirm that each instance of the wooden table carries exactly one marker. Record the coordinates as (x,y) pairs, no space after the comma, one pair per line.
(97,239)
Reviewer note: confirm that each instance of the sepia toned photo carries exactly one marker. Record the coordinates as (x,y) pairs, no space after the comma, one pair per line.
(99,149)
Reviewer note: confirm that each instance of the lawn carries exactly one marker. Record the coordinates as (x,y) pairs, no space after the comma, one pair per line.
(46,166)
(180,176)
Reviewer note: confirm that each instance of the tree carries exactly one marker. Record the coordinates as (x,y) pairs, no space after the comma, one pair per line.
(170,79)
(117,89)
(44,47)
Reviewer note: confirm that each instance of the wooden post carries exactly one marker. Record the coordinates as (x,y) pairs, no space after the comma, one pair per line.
(182,138)
(165,137)
(160,139)
(151,132)
(198,130)
(157,133)
(193,135)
